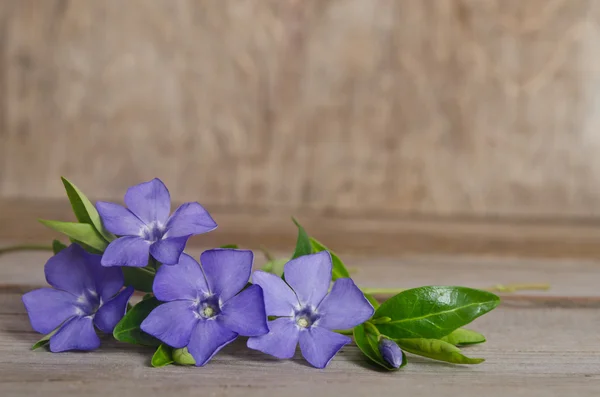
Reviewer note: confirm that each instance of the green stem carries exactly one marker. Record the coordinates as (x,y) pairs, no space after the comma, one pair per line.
(25,247)
(345,332)
(382,291)
(373,329)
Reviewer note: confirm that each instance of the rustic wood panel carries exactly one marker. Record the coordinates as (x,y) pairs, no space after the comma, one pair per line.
(536,347)
(477,107)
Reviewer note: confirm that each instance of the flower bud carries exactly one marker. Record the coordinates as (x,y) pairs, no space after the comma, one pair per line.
(391,352)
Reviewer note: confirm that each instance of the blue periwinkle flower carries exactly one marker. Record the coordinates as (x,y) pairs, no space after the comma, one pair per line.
(145,227)
(307,313)
(84,294)
(391,352)
(204,311)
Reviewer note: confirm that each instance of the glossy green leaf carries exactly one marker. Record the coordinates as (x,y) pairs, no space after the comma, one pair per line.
(45,340)
(162,356)
(373,301)
(463,336)
(128,329)
(232,246)
(339,269)
(183,357)
(57,246)
(140,278)
(82,232)
(433,312)
(303,245)
(437,350)
(368,344)
(84,210)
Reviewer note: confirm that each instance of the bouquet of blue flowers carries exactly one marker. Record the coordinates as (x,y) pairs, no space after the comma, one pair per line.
(191,309)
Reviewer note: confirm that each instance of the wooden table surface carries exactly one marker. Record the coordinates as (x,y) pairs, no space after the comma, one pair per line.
(539,343)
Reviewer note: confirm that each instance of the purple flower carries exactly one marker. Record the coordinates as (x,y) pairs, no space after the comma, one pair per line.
(307,313)
(204,310)
(145,226)
(391,352)
(85,294)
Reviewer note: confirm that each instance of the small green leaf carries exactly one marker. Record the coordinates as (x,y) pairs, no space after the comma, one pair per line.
(437,350)
(45,340)
(433,312)
(303,245)
(84,210)
(82,232)
(232,246)
(162,356)
(57,246)
(369,345)
(183,357)
(339,269)
(128,329)
(275,266)
(463,336)
(140,278)
(372,301)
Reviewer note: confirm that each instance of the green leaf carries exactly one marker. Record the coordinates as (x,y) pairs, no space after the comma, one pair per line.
(368,344)
(57,246)
(233,246)
(303,245)
(372,301)
(84,210)
(183,357)
(437,350)
(162,356)
(433,312)
(463,336)
(45,340)
(140,278)
(82,232)
(128,329)
(338,270)
(275,266)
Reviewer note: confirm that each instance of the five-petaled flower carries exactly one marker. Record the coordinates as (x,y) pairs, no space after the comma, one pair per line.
(204,311)
(307,313)
(391,352)
(85,294)
(145,226)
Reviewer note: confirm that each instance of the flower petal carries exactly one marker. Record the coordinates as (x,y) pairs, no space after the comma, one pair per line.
(189,219)
(119,220)
(245,314)
(344,307)
(281,341)
(127,251)
(149,201)
(207,339)
(172,323)
(309,276)
(182,281)
(109,280)
(70,271)
(76,334)
(111,312)
(280,300)
(319,345)
(48,308)
(168,250)
(227,270)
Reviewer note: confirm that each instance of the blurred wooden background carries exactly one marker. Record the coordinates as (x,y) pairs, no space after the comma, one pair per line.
(468,109)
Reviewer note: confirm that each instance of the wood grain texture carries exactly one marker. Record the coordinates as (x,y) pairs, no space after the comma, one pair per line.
(476,107)
(377,236)
(534,348)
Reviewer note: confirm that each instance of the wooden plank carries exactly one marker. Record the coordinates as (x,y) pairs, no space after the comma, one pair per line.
(388,106)
(347,233)
(532,352)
